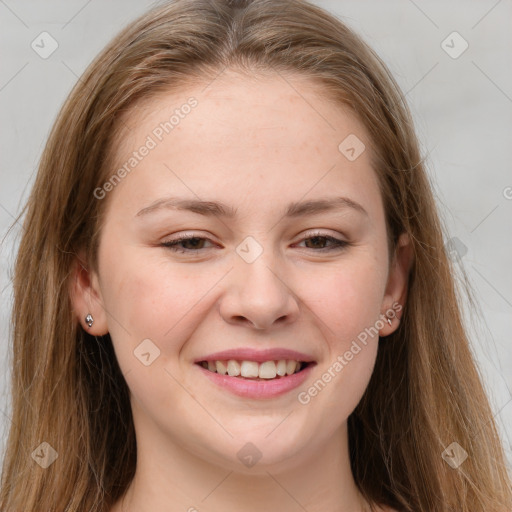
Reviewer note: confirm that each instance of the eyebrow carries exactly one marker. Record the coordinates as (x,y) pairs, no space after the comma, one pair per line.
(219,209)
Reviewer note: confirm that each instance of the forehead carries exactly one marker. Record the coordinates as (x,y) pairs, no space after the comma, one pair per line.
(264,105)
(273,132)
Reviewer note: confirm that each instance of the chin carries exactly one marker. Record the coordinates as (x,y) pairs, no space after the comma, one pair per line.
(259,454)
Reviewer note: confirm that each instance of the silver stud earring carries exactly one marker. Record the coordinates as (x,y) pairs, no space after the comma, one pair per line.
(389,320)
(89,320)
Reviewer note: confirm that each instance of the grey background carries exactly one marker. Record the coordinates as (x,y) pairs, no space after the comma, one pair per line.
(462,108)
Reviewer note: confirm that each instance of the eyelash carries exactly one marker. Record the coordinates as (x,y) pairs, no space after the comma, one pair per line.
(337,244)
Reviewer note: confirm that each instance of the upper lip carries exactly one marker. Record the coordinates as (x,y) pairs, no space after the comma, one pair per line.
(259,356)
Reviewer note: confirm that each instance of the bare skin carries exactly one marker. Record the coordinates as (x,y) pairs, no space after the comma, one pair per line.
(255,144)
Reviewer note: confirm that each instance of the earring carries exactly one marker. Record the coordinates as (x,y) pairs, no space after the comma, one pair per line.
(386,318)
(89,320)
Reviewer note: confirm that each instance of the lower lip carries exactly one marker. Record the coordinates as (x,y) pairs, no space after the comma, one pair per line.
(261,389)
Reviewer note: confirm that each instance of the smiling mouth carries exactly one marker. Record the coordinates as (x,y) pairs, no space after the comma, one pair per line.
(252,370)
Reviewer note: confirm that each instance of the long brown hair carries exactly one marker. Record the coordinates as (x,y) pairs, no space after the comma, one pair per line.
(67,388)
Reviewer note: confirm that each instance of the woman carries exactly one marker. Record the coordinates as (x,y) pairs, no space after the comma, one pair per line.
(231,290)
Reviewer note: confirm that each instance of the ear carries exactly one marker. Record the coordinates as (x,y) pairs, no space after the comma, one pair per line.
(395,294)
(86,297)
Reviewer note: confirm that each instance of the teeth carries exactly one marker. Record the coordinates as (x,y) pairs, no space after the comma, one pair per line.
(281,368)
(221,368)
(291,367)
(267,370)
(233,368)
(249,369)
(252,369)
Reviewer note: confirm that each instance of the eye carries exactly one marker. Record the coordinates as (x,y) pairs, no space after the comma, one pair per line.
(321,239)
(194,243)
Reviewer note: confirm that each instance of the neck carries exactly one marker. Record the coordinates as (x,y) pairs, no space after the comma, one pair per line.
(173,479)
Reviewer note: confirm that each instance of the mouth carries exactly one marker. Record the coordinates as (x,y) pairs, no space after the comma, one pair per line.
(254,370)
(257,380)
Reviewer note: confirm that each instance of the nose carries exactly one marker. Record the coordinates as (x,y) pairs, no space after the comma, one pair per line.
(259,295)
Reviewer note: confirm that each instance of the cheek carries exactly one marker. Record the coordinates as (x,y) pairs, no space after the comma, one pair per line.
(347,299)
(150,298)
(348,303)
(139,294)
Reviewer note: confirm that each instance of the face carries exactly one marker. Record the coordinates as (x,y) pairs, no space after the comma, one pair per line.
(267,275)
